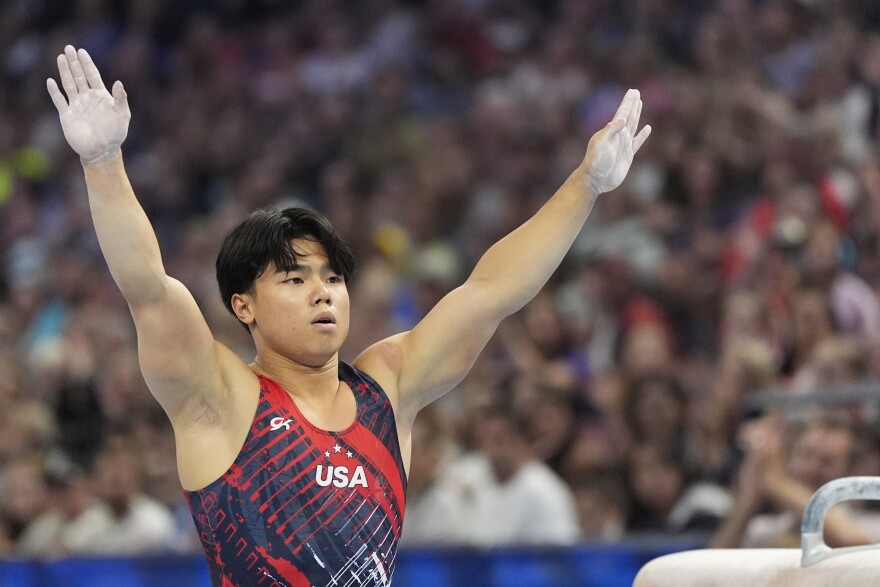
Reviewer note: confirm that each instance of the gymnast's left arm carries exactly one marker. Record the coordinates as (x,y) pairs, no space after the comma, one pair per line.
(437,353)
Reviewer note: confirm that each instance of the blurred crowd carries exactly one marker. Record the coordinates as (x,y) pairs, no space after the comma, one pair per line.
(742,253)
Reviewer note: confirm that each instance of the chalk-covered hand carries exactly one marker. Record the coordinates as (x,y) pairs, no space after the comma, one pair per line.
(94,122)
(611,150)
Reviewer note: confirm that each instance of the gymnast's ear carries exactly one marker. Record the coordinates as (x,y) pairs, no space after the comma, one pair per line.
(242,305)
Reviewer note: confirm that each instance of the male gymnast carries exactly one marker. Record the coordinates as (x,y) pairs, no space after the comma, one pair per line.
(295,464)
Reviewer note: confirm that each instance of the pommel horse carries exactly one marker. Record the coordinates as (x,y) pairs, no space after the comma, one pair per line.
(814,565)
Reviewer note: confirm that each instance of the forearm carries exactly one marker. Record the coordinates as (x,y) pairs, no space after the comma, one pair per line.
(127,239)
(518,266)
(733,530)
(786,492)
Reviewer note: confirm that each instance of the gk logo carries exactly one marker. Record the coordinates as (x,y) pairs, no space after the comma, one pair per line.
(277,423)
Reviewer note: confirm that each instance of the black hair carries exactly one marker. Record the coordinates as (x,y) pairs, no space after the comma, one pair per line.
(505,410)
(835,421)
(635,391)
(266,236)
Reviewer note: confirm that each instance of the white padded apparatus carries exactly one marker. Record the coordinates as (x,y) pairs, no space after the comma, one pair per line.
(813,565)
(764,567)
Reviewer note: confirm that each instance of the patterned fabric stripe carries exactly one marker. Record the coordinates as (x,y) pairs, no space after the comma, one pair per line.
(377,403)
(380,461)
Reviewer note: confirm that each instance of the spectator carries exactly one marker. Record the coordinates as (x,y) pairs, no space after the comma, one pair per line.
(602,505)
(811,324)
(25,497)
(69,522)
(433,515)
(28,430)
(822,450)
(666,498)
(505,495)
(552,417)
(743,255)
(540,347)
(125,521)
(655,408)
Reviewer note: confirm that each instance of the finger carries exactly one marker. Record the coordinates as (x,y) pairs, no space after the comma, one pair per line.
(626,104)
(632,121)
(626,140)
(640,138)
(79,75)
(56,95)
(93,76)
(624,107)
(67,77)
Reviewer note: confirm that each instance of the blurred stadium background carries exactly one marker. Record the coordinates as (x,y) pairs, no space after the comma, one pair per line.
(727,291)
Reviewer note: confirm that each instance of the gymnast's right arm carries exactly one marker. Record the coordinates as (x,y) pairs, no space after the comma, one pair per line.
(179,358)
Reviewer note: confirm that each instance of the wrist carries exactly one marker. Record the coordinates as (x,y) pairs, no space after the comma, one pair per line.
(590,184)
(593,188)
(111,155)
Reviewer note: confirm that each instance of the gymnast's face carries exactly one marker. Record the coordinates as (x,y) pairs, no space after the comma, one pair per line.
(301,315)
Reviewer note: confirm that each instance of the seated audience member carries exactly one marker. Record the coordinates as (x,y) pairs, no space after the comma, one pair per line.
(552,416)
(69,523)
(655,408)
(507,496)
(432,512)
(810,324)
(540,346)
(666,499)
(836,361)
(23,497)
(602,506)
(126,521)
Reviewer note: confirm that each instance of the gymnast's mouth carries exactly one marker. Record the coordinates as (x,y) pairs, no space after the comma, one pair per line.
(324,318)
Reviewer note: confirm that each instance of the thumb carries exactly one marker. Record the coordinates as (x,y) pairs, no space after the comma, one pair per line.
(119,94)
(615,126)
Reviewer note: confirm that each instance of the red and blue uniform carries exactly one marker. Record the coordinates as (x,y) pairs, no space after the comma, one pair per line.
(301,506)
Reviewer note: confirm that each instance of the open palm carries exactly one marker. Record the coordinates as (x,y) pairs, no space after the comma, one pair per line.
(95,123)
(611,150)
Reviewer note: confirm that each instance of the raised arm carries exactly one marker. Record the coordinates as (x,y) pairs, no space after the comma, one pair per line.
(175,346)
(435,355)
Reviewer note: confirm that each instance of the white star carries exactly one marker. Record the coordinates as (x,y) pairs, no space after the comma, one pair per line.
(327,453)
(337,448)
(349,454)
